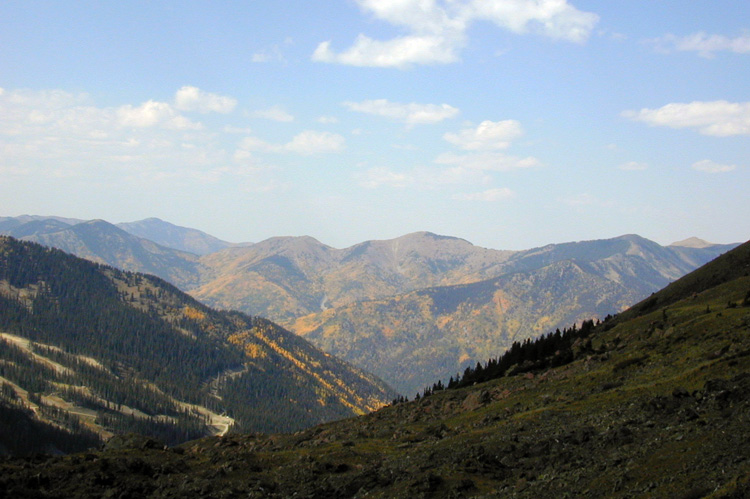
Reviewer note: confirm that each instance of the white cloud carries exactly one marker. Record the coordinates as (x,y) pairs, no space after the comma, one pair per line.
(194,99)
(554,18)
(487,136)
(717,118)
(633,166)
(704,44)
(57,133)
(312,142)
(411,114)
(490,195)
(399,53)
(274,113)
(152,113)
(308,142)
(437,29)
(26,112)
(709,166)
(488,161)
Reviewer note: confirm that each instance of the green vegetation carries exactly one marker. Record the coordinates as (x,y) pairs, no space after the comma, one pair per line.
(127,352)
(654,403)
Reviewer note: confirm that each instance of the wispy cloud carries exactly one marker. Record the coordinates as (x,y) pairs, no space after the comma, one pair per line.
(421,177)
(151,114)
(704,44)
(328,120)
(483,143)
(194,99)
(312,142)
(487,161)
(709,166)
(274,53)
(410,114)
(274,113)
(308,142)
(487,136)
(717,118)
(437,30)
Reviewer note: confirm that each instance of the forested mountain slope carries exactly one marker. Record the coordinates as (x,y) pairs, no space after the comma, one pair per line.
(118,351)
(654,402)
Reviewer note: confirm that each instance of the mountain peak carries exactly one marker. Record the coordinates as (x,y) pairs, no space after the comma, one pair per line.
(430,235)
(693,242)
(174,236)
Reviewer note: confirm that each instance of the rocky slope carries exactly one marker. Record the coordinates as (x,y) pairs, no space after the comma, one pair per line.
(655,403)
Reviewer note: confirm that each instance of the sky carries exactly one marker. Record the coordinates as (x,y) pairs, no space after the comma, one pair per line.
(509,123)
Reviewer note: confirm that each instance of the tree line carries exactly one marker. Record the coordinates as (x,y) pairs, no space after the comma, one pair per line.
(551,350)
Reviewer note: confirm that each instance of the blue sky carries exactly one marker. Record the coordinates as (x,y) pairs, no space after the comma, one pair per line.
(510,123)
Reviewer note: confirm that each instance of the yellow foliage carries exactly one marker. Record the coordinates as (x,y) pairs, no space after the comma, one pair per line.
(238,338)
(443,320)
(254,351)
(193,313)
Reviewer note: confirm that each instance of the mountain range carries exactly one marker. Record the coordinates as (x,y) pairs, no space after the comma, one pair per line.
(98,351)
(651,402)
(410,309)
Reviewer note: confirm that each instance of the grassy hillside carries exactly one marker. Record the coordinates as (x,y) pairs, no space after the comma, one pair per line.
(654,403)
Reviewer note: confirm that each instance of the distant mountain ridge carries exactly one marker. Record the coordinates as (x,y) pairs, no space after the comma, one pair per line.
(381,304)
(290,277)
(103,242)
(175,236)
(410,337)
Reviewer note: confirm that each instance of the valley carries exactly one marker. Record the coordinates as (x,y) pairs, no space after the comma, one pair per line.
(410,309)
(632,407)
